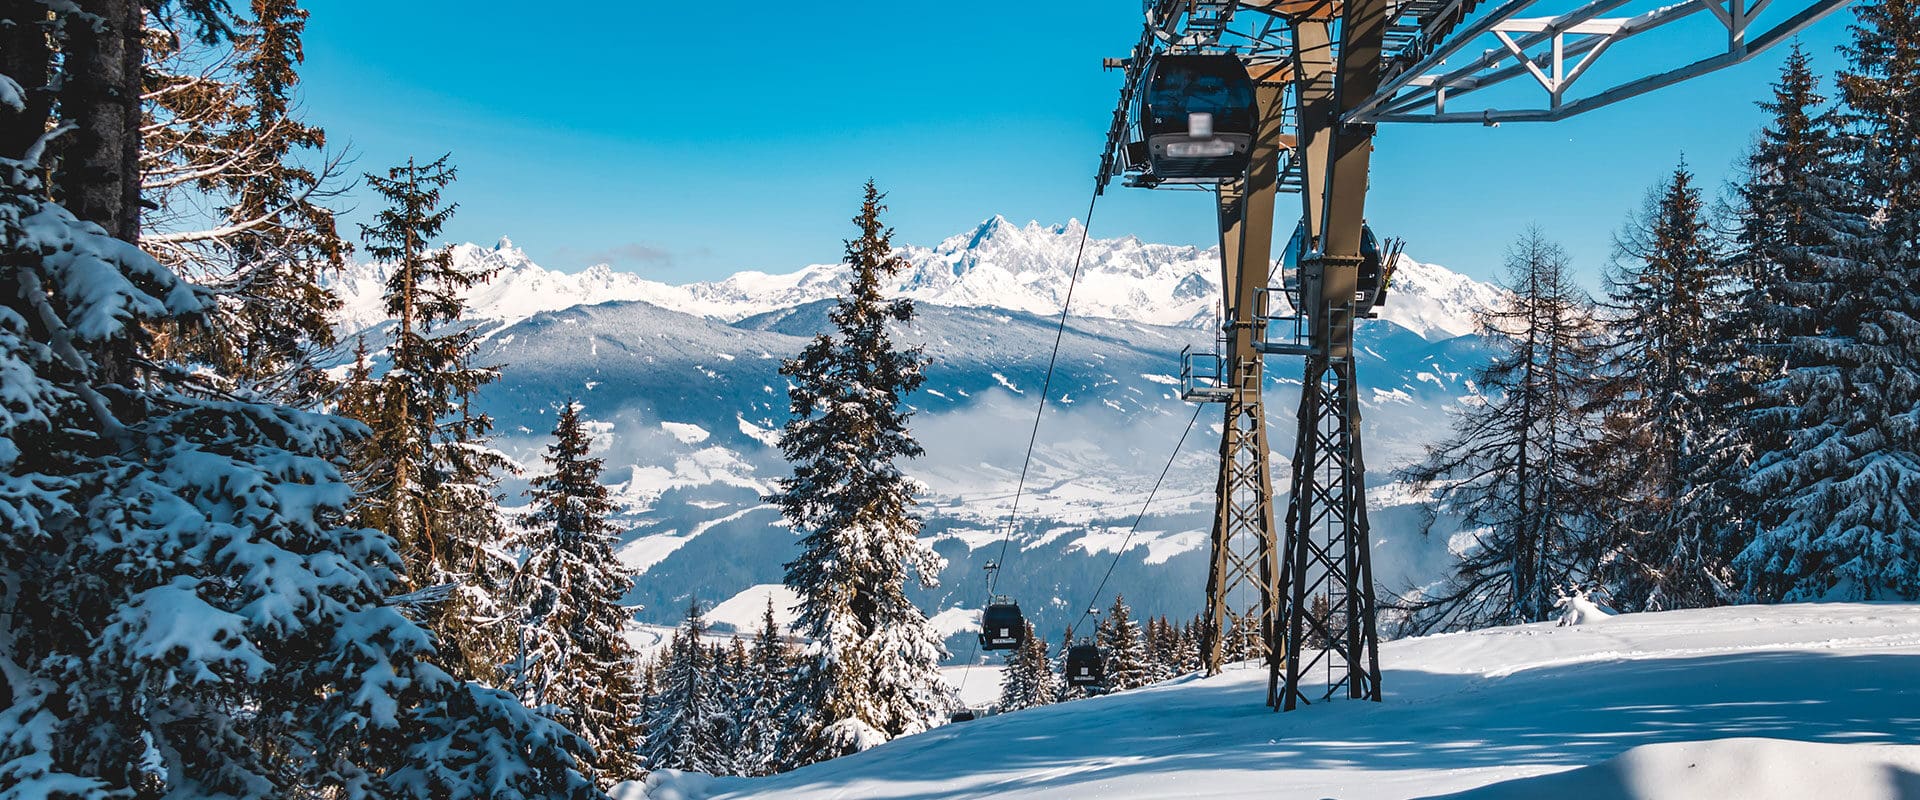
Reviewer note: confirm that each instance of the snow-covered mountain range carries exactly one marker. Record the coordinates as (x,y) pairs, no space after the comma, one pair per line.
(683,384)
(996,265)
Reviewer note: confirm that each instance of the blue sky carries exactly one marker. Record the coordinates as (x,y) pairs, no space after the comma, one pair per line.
(688,141)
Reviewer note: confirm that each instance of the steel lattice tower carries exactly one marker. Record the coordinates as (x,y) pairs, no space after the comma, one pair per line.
(1327,549)
(1408,61)
(1241,580)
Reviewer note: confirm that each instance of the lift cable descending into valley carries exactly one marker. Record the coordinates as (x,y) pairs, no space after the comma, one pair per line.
(1093,601)
(1040,408)
(1012,626)
(997,630)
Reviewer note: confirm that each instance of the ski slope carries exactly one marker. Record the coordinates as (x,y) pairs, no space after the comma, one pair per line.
(1797,701)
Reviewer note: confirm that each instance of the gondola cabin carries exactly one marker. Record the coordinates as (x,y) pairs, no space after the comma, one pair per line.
(1368,286)
(1085,665)
(1197,116)
(1001,626)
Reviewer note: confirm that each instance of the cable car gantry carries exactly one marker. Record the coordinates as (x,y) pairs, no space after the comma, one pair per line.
(1253,98)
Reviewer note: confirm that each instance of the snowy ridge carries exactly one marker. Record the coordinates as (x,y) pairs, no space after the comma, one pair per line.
(1817,699)
(996,265)
(1434,301)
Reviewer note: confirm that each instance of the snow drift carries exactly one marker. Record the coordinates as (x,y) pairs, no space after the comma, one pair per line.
(1753,702)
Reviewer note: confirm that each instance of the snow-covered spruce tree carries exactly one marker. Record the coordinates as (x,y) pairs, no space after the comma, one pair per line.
(1125,650)
(689,727)
(763,719)
(237,183)
(188,613)
(649,688)
(1173,648)
(428,479)
(572,656)
(871,671)
(357,394)
(1510,470)
(1046,685)
(1162,650)
(1656,537)
(735,667)
(1841,517)
(1028,679)
(1243,642)
(1794,206)
(1065,691)
(1187,640)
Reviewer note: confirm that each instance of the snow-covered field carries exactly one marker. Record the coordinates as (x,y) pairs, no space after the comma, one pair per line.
(1798,701)
(978,685)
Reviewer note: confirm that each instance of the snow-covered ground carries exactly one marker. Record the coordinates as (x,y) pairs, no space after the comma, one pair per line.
(1798,701)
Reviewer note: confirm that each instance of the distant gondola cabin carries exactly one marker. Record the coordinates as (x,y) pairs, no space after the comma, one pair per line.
(1367,283)
(1085,665)
(1001,626)
(1197,114)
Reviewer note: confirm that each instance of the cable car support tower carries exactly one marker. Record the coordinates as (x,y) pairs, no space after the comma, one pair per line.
(1322,74)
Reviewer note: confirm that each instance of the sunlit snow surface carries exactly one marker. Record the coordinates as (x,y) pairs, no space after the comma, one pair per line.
(1797,701)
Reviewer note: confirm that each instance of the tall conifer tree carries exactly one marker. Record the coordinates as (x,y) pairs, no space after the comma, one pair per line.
(1793,208)
(429,481)
(572,649)
(237,182)
(763,720)
(1124,648)
(688,727)
(1842,511)
(871,672)
(1511,467)
(1028,679)
(1656,538)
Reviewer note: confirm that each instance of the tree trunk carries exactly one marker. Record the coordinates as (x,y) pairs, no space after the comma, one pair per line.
(99,175)
(26,58)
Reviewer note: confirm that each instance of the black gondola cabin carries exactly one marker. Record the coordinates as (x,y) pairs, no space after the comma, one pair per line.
(1085,666)
(1001,626)
(1367,286)
(1197,116)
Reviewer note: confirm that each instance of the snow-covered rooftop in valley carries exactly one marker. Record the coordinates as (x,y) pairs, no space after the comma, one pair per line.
(1790,701)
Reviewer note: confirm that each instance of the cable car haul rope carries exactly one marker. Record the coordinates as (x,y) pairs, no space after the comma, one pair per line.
(1196,120)
(1002,626)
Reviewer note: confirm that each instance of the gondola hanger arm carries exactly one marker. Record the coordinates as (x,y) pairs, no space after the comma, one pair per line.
(1295,9)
